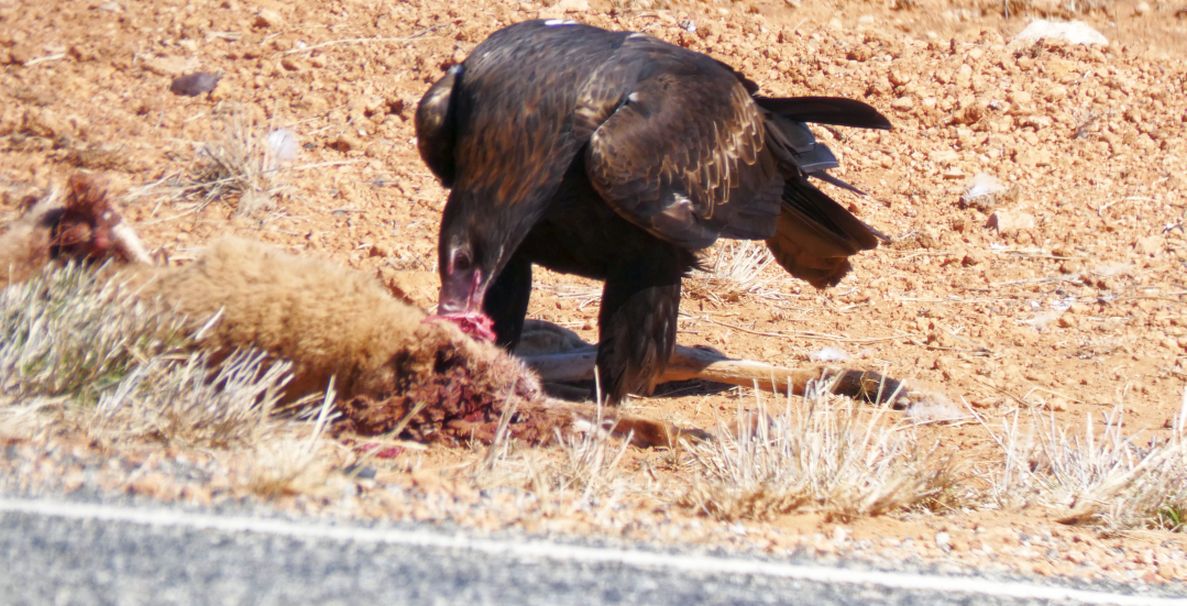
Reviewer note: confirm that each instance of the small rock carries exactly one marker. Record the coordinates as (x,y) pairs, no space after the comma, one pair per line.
(1148,245)
(1008,221)
(899,77)
(1142,8)
(192,85)
(282,147)
(572,6)
(1033,156)
(345,143)
(1112,269)
(268,18)
(943,156)
(902,103)
(840,535)
(170,66)
(964,76)
(1071,32)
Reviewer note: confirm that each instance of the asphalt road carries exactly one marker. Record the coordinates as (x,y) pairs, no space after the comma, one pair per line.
(60,552)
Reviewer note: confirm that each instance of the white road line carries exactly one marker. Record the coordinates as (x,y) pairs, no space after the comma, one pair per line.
(542,550)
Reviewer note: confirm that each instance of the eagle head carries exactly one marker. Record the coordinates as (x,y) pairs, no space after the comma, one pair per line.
(471,251)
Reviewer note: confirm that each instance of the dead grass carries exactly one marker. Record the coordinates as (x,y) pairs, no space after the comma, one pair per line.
(79,352)
(62,337)
(1099,475)
(1066,9)
(826,455)
(582,469)
(242,161)
(290,463)
(194,401)
(735,270)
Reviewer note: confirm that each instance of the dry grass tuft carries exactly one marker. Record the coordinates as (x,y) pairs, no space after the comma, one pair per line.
(739,269)
(582,468)
(1054,8)
(61,335)
(243,162)
(828,455)
(289,464)
(1098,476)
(81,352)
(192,401)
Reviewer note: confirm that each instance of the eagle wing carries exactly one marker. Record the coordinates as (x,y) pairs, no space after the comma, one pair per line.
(435,125)
(678,147)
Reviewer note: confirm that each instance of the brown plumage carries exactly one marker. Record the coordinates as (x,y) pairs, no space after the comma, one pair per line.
(617,156)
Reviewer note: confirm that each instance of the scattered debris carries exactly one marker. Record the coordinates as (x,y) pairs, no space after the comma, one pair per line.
(829,354)
(983,191)
(944,541)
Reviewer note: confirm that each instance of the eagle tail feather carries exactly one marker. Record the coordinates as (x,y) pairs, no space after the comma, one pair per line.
(815,236)
(837,111)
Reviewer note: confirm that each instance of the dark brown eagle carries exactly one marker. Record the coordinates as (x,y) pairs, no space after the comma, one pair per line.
(617,156)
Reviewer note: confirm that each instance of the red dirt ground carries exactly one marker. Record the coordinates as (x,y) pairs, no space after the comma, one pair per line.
(1077,306)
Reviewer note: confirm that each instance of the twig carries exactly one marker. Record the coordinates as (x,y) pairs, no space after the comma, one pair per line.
(368,40)
(326,164)
(45,59)
(818,336)
(1031,282)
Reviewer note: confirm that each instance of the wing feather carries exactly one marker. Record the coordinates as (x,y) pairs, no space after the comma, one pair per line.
(435,125)
(681,151)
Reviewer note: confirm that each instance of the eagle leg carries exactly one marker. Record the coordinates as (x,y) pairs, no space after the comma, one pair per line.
(506,301)
(637,323)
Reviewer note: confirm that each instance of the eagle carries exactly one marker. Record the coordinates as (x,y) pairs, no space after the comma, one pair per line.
(617,156)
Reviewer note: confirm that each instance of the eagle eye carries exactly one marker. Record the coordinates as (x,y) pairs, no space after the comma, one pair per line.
(461,260)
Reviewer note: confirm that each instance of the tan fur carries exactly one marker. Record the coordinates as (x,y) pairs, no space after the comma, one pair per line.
(25,244)
(386,355)
(393,366)
(331,322)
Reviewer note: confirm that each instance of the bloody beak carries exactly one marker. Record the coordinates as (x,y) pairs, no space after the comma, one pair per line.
(461,292)
(460,302)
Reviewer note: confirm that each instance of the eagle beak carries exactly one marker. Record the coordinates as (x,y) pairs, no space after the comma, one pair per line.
(460,302)
(461,292)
